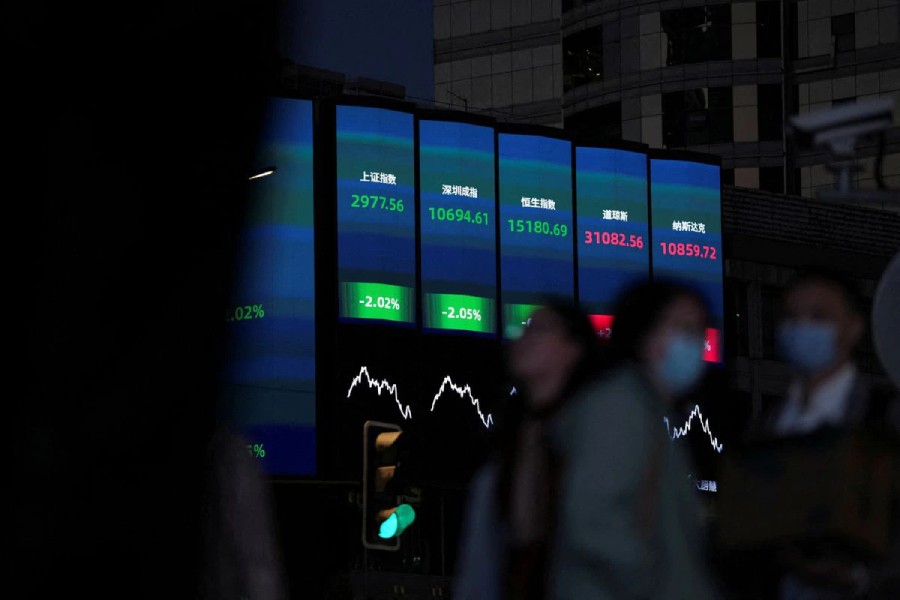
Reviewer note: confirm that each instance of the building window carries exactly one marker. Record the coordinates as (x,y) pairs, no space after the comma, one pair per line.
(770,116)
(771,179)
(791,30)
(582,58)
(600,122)
(737,342)
(840,101)
(698,34)
(843,32)
(727,177)
(771,312)
(768,29)
(697,117)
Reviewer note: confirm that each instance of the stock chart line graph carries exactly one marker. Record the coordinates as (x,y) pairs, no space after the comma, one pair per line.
(380,386)
(678,432)
(463,391)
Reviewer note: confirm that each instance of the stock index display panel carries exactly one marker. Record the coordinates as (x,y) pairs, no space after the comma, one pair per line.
(686,200)
(458,227)
(613,227)
(269,381)
(536,228)
(376,214)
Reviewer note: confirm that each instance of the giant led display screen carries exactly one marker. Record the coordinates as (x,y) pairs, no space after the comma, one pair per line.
(536,228)
(613,230)
(458,227)
(269,382)
(686,219)
(376,214)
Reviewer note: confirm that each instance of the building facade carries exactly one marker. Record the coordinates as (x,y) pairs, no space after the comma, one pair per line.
(716,77)
(713,77)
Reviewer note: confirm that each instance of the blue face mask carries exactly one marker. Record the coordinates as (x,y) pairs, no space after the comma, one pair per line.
(682,365)
(809,346)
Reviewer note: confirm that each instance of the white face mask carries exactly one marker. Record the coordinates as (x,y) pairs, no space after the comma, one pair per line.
(810,346)
(682,364)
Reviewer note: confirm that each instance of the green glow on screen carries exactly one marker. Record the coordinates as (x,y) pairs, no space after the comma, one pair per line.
(369,300)
(517,317)
(460,312)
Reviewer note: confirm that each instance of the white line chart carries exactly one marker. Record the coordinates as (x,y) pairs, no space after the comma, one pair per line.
(380,386)
(383,385)
(463,391)
(678,432)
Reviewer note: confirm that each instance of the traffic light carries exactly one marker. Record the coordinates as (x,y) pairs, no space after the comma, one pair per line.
(385,455)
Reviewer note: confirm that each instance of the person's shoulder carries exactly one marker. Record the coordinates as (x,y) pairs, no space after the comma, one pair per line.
(615,379)
(618,399)
(882,407)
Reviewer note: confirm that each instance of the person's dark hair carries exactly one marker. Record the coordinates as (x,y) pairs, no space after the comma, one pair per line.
(847,286)
(638,311)
(578,327)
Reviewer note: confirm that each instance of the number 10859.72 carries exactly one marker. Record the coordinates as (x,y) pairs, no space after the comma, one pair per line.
(692,250)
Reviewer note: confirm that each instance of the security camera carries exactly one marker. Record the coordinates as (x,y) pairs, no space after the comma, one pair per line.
(837,130)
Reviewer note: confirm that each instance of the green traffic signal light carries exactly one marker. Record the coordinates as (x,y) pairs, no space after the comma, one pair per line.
(401,518)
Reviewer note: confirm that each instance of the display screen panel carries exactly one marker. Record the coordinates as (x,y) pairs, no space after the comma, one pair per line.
(376,214)
(535,223)
(458,227)
(686,216)
(612,228)
(269,383)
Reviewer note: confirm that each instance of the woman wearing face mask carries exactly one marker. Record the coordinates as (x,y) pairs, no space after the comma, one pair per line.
(629,523)
(510,519)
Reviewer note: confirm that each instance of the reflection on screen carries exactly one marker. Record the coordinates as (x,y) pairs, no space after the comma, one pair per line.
(613,228)
(269,384)
(686,205)
(376,214)
(536,225)
(458,225)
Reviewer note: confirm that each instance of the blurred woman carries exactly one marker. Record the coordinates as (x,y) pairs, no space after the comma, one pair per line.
(510,519)
(628,521)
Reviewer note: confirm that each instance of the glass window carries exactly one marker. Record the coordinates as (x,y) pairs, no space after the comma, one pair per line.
(694,117)
(582,58)
(720,110)
(839,101)
(771,179)
(843,32)
(770,307)
(727,176)
(603,121)
(792,29)
(770,116)
(768,29)
(737,340)
(697,34)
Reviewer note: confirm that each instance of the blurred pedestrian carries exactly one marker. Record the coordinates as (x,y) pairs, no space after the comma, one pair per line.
(510,517)
(820,328)
(136,167)
(629,522)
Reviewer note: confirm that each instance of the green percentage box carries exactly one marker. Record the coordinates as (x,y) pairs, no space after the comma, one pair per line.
(459,312)
(516,318)
(368,300)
